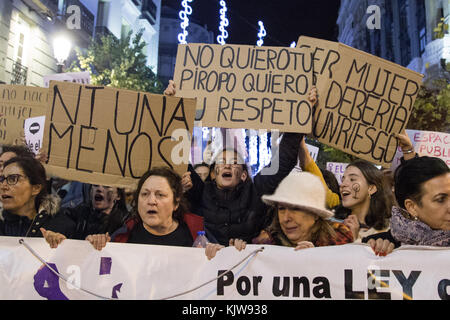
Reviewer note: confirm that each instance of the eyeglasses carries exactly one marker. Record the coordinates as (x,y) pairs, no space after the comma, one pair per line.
(12,179)
(232,162)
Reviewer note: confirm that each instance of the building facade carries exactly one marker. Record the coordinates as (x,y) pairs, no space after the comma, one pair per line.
(118,17)
(406,34)
(27,28)
(26,53)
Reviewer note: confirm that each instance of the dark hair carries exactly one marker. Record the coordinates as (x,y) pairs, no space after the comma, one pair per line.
(19,150)
(381,201)
(203,164)
(412,174)
(331,181)
(35,173)
(174,181)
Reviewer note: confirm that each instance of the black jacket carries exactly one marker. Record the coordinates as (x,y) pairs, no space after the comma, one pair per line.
(49,217)
(86,220)
(240,213)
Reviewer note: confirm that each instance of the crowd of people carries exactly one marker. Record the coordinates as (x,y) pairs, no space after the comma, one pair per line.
(288,208)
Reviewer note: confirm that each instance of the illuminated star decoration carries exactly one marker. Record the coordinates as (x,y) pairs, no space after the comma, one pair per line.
(261,34)
(223,23)
(183,14)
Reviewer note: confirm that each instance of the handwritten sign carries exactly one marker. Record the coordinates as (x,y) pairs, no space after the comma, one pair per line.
(364,100)
(18,103)
(427,143)
(111,136)
(34,133)
(338,169)
(247,86)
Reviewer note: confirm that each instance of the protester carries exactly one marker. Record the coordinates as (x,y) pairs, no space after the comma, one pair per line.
(301,220)
(231,203)
(202,170)
(422,190)
(105,213)
(158,213)
(11,151)
(366,202)
(27,208)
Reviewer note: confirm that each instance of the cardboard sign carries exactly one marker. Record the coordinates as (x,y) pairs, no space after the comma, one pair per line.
(83,77)
(251,87)
(34,133)
(18,103)
(111,136)
(363,100)
(338,169)
(427,143)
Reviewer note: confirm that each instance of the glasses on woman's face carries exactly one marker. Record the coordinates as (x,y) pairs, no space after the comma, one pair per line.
(12,179)
(232,162)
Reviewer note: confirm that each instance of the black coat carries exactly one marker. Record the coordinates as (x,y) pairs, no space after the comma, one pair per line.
(88,221)
(240,213)
(19,226)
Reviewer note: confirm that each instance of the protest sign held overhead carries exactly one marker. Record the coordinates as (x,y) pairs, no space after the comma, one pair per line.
(427,143)
(111,136)
(241,86)
(364,100)
(18,103)
(34,133)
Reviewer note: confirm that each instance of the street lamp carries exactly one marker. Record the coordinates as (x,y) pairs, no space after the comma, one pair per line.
(61,49)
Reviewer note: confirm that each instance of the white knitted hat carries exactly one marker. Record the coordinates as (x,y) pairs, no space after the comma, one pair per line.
(302,190)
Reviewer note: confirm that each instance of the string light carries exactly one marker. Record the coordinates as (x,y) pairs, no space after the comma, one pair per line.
(265,153)
(185,20)
(223,23)
(293,44)
(261,34)
(253,148)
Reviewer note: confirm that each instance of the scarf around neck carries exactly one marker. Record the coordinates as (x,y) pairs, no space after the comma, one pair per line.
(412,232)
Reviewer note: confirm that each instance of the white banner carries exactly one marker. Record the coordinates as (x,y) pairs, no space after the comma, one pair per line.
(131,271)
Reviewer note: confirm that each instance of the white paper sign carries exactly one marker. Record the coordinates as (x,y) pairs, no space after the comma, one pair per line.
(338,169)
(78,77)
(427,143)
(34,133)
(133,271)
(313,151)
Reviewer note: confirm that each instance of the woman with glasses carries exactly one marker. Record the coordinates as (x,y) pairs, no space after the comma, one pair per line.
(23,194)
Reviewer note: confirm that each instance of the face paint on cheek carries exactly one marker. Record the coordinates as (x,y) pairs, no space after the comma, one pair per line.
(356,188)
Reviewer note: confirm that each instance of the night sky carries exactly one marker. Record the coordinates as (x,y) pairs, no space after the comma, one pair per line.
(284,20)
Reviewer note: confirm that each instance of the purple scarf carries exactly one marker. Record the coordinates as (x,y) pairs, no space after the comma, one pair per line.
(416,232)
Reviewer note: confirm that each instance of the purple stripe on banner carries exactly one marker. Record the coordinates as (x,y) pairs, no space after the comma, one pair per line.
(105,265)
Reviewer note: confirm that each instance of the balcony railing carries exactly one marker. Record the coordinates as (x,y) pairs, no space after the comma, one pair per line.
(19,74)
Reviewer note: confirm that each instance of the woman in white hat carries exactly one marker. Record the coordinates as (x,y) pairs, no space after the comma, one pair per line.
(301,219)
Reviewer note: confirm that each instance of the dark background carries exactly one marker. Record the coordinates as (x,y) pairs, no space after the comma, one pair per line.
(284,20)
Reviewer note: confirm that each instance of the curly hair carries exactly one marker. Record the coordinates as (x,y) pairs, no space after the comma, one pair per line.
(174,181)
